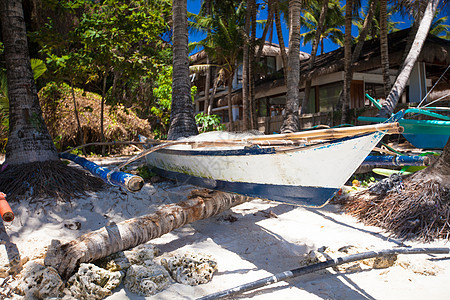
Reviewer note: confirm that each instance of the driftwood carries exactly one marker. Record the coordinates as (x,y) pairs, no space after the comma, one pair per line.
(201,204)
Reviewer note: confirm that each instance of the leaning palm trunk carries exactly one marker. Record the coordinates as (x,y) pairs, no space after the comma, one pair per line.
(98,244)
(312,58)
(291,121)
(400,83)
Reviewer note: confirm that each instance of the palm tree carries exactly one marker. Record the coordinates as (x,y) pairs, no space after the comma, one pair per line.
(27,135)
(384,48)
(347,60)
(291,121)
(182,122)
(440,28)
(315,45)
(245,68)
(31,157)
(333,22)
(280,36)
(400,83)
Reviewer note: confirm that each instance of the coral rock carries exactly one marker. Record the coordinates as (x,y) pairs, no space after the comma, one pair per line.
(92,282)
(147,279)
(39,281)
(190,268)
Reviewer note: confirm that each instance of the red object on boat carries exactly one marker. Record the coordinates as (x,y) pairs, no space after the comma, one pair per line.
(5,210)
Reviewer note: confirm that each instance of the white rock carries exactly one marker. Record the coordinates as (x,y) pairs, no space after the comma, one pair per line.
(124,259)
(92,282)
(147,279)
(39,281)
(190,268)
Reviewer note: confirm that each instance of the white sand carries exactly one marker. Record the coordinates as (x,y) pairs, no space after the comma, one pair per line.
(254,246)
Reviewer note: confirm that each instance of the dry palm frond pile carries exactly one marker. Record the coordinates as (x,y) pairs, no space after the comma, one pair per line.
(120,124)
(410,207)
(51,179)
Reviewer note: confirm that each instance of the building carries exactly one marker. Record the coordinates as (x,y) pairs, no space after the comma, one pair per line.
(327,82)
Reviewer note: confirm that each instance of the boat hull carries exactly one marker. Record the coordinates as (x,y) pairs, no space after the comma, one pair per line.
(424,134)
(308,175)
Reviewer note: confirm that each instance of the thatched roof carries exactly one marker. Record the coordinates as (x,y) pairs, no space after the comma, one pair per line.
(270,49)
(435,51)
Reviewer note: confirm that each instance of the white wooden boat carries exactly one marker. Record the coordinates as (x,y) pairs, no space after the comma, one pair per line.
(305,168)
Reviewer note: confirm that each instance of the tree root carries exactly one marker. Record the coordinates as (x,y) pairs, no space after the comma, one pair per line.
(51,179)
(421,210)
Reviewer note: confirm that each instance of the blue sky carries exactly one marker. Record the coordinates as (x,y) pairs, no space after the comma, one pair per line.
(194,6)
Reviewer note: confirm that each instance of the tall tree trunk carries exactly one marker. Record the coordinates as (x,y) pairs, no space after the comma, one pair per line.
(269,24)
(284,57)
(417,16)
(102,113)
(312,58)
(230,103)
(182,122)
(77,117)
(347,61)
(245,67)
(400,83)
(208,69)
(251,68)
(108,240)
(384,48)
(213,94)
(291,121)
(364,31)
(28,138)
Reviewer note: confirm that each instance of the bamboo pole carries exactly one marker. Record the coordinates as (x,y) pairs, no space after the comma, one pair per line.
(320,266)
(201,204)
(278,139)
(333,132)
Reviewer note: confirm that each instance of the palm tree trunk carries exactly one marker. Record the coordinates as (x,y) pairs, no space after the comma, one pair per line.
(400,83)
(28,138)
(208,69)
(384,48)
(312,58)
(268,25)
(251,67)
(213,94)
(347,61)
(364,31)
(230,103)
(422,5)
(182,122)
(280,37)
(102,113)
(291,121)
(128,234)
(77,117)
(245,67)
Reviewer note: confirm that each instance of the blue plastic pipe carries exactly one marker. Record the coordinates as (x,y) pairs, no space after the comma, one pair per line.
(133,183)
(398,160)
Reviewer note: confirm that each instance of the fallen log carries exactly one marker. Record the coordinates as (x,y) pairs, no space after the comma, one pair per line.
(201,204)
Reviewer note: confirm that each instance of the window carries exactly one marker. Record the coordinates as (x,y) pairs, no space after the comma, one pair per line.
(329,96)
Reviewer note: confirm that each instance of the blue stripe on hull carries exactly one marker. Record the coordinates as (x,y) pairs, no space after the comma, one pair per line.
(300,195)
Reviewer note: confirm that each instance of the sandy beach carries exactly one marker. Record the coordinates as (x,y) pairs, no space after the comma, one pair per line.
(251,241)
